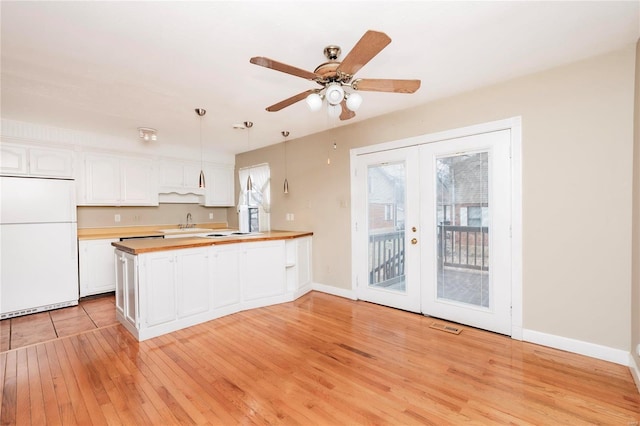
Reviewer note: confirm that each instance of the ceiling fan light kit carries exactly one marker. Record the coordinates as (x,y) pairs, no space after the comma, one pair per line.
(354,100)
(314,102)
(333,76)
(334,93)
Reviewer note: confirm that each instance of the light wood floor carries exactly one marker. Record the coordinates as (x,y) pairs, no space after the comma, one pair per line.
(318,360)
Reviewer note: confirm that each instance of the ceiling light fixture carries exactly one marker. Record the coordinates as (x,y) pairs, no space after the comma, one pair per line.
(147,134)
(201,112)
(248,125)
(335,95)
(285,133)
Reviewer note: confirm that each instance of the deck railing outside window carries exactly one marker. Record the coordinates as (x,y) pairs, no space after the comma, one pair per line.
(464,246)
(386,258)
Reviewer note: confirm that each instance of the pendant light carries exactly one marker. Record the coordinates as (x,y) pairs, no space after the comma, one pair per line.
(201,112)
(249,125)
(285,133)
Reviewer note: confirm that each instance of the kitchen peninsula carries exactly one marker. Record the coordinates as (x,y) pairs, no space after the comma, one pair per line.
(163,285)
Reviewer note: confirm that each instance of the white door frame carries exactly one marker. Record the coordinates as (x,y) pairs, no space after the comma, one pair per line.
(515,125)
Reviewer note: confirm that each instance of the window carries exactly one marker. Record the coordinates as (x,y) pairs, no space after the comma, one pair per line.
(474,216)
(388,212)
(260,194)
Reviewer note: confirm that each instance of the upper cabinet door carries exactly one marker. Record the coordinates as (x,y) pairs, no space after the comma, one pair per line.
(118,181)
(138,183)
(50,162)
(13,160)
(101,180)
(25,160)
(219,188)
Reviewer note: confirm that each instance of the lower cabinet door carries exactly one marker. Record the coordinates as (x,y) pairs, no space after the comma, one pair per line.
(159,288)
(263,270)
(96,264)
(226,285)
(192,282)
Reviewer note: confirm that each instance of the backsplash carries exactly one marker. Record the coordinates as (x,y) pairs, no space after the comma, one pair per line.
(163,214)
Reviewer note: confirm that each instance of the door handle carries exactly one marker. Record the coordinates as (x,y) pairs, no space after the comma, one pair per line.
(414,241)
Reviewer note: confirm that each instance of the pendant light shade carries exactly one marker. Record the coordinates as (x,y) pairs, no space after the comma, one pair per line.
(201,182)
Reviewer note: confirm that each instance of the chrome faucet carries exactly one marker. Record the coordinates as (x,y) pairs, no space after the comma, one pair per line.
(189,219)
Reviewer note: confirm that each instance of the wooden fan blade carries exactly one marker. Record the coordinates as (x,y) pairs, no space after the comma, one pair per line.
(386,85)
(371,43)
(290,101)
(279,66)
(346,112)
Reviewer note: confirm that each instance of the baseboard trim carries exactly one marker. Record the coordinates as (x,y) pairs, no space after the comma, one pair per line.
(329,289)
(635,371)
(592,350)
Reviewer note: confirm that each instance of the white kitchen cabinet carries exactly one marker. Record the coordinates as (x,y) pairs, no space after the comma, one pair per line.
(158,288)
(50,162)
(181,177)
(178,288)
(251,274)
(96,266)
(126,271)
(298,263)
(174,285)
(193,282)
(225,280)
(219,190)
(14,159)
(262,271)
(110,180)
(26,160)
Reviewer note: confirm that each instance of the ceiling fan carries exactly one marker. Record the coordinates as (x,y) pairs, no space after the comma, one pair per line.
(333,76)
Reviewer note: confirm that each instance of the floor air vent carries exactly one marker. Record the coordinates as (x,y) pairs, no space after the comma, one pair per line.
(446,327)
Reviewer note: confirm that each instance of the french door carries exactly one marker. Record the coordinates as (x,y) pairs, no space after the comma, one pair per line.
(433,229)
(389,258)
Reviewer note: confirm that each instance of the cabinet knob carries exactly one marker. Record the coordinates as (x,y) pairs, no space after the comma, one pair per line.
(414,241)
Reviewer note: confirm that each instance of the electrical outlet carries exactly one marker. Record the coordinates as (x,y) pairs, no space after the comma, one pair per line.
(210,215)
(289,217)
(116,218)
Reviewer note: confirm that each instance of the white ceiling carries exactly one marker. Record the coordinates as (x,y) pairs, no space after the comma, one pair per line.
(110,67)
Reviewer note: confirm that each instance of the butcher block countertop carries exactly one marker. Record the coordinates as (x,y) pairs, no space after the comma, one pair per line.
(136,231)
(152,245)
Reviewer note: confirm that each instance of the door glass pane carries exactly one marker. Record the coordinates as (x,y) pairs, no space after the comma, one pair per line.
(386,213)
(463,228)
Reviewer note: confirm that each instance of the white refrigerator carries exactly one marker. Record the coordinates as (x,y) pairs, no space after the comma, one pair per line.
(38,245)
